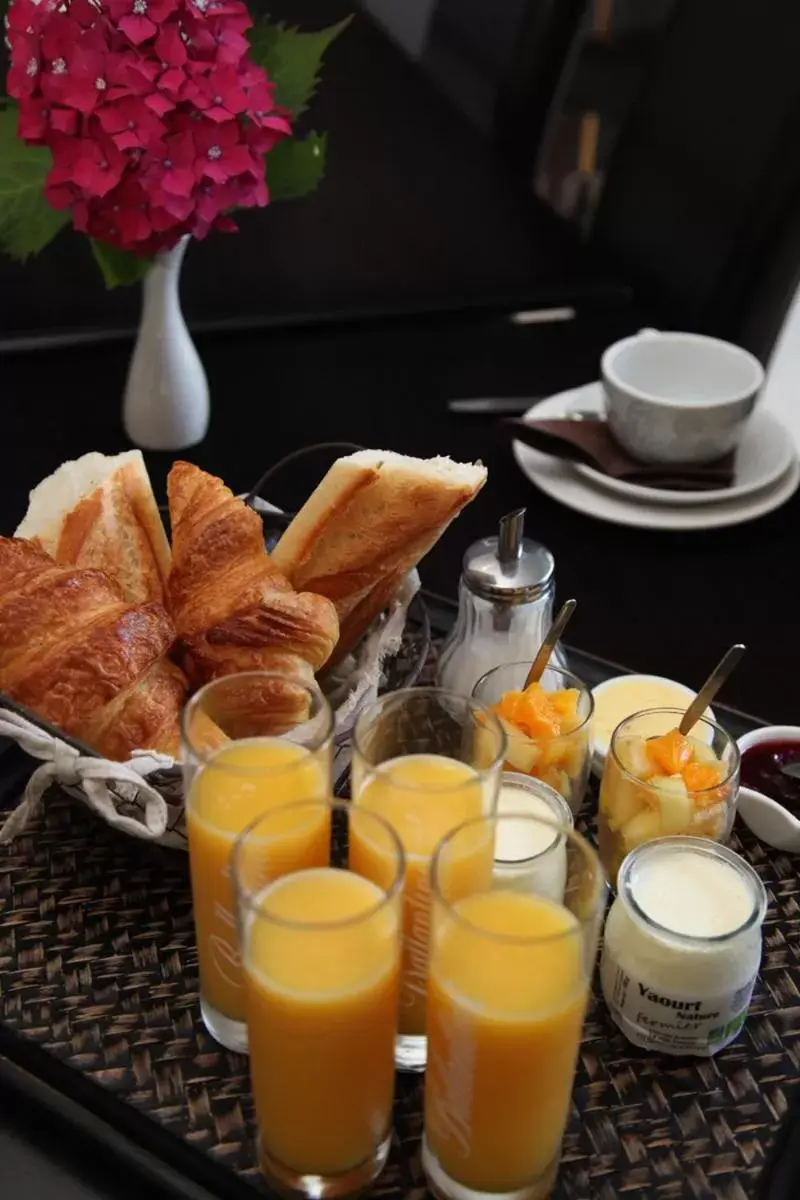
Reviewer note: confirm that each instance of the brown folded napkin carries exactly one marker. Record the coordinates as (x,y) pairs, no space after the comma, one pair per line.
(591,442)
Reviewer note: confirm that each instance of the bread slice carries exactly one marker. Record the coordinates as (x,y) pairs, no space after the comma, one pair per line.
(371,519)
(99,512)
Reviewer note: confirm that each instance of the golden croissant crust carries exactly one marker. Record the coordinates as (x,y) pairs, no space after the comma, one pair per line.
(219,564)
(257,705)
(233,609)
(74,651)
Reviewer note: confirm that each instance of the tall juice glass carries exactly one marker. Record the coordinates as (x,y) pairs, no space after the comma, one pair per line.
(243,755)
(510,970)
(426,760)
(321,955)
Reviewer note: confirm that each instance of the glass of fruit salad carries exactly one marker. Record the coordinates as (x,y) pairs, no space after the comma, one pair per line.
(658,783)
(547,725)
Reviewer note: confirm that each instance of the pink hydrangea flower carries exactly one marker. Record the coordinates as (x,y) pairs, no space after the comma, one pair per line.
(157,120)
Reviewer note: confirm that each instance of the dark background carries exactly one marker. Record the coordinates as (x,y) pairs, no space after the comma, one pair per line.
(419,210)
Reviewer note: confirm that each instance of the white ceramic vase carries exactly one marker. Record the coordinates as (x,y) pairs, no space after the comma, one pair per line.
(166,396)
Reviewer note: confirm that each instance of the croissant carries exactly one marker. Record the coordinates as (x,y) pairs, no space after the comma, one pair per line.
(74,651)
(233,609)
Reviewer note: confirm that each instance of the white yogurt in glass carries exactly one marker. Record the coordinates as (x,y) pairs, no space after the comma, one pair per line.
(529,856)
(682,945)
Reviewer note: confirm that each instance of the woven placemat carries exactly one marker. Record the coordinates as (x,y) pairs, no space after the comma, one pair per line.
(98,970)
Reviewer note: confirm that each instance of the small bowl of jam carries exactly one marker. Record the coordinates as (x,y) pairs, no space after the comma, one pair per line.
(769,797)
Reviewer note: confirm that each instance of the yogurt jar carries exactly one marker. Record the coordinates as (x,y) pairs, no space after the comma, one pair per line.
(528,856)
(682,945)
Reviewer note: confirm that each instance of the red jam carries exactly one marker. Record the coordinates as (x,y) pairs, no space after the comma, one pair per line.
(774,769)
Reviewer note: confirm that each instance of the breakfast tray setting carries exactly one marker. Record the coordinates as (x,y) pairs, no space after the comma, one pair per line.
(99,1019)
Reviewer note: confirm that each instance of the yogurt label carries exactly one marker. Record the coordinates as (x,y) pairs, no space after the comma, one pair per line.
(654,1019)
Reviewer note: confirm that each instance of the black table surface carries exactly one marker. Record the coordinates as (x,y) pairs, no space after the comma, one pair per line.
(667,603)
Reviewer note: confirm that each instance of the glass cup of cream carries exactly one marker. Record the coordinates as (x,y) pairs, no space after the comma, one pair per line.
(530,856)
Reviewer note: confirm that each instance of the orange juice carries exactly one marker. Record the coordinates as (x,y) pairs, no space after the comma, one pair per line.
(423,797)
(504,1023)
(322,1015)
(239,783)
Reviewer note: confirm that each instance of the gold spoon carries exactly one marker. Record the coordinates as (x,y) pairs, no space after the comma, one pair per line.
(710,688)
(555,631)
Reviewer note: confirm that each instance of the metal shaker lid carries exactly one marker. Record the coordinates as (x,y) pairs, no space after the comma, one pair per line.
(509,566)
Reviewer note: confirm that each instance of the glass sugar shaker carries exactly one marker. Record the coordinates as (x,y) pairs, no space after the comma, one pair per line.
(505,606)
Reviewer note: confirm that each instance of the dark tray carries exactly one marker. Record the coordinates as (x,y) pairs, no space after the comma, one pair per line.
(99,1020)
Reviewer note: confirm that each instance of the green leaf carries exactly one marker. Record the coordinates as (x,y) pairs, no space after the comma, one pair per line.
(119,267)
(295,168)
(27,221)
(292,59)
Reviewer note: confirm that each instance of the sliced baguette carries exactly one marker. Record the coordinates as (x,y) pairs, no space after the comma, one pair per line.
(99,512)
(370,520)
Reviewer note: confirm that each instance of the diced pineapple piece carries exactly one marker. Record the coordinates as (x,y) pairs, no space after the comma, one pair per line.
(621,801)
(643,828)
(674,803)
(702,751)
(570,724)
(485,745)
(522,753)
(553,752)
(577,750)
(557,779)
(632,753)
(710,824)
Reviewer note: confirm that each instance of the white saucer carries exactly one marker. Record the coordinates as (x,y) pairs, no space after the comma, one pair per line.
(765,453)
(576,488)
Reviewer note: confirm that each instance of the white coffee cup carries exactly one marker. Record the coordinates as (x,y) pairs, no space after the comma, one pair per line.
(679,397)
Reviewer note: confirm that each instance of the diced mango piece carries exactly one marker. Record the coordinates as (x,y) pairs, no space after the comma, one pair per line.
(565,702)
(541,714)
(532,711)
(509,705)
(670,752)
(701,775)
